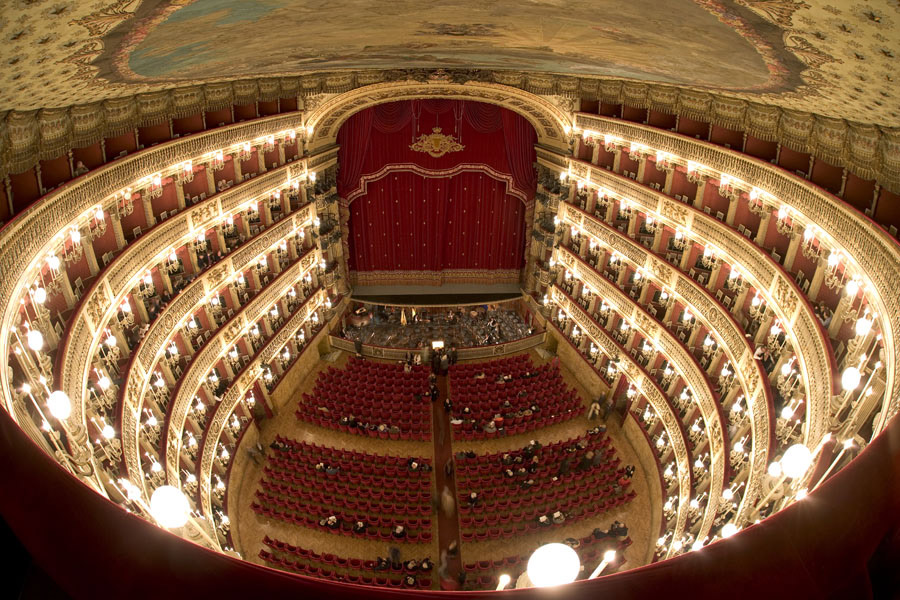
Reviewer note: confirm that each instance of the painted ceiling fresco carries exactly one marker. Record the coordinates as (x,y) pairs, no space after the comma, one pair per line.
(835,58)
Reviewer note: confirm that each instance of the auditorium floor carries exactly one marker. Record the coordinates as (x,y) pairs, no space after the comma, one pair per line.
(248,528)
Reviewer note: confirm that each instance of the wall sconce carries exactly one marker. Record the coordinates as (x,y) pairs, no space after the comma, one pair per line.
(172,263)
(785,222)
(186,175)
(124,203)
(756,204)
(73,250)
(708,259)
(812,247)
(126,316)
(693,172)
(245,152)
(728,188)
(97,224)
(679,241)
(155,186)
(650,225)
(217,163)
(835,272)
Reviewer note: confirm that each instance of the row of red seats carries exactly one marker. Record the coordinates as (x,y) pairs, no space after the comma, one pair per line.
(395,469)
(299,449)
(547,451)
(487,463)
(325,573)
(304,519)
(518,381)
(317,478)
(547,463)
(537,504)
(364,409)
(330,560)
(544,473)
(538,493)
(387,473)
(538,421)
(528,526)
(357,510)
(485,410)
(402,398)
(389,368)
(317,419)
(348,504)
(399,493)
(519,360)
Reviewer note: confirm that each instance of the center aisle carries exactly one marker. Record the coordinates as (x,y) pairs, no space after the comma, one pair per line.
(448,523)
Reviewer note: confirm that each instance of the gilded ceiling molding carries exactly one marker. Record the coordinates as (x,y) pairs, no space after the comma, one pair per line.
(869,151)
(550,123)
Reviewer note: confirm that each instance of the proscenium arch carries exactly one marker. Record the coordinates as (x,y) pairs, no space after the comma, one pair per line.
(550,123)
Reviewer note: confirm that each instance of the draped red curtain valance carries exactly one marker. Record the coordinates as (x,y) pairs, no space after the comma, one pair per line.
(381,135)
(462,210)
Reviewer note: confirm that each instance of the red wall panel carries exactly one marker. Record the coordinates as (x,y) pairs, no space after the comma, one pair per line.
(120,143)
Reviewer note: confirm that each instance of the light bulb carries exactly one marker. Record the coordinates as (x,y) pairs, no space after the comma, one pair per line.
(40,295)
(59,404)
(850,379)
(553,564)
(796,461)
(169,506)
(35,340)
(729,529)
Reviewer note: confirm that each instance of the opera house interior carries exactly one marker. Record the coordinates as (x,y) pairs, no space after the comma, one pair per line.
(581,299)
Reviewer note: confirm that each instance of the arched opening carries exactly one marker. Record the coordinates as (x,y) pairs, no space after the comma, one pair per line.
(438,191)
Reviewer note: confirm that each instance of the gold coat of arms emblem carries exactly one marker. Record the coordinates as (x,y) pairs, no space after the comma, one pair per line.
(436,144)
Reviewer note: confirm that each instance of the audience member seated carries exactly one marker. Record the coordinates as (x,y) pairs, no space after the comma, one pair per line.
(508,396)
(374,399)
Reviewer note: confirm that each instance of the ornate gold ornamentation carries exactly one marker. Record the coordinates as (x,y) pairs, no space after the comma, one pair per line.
(436,144)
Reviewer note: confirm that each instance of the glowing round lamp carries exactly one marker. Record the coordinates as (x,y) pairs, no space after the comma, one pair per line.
(40,295)
(59,404)
(863,326)
(775,469)
(850,378)
(553,564)
(35,340)
(169,507)
(729,529)
(796,461)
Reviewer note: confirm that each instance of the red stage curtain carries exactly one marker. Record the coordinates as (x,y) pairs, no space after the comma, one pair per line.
(436,220)
(414,223)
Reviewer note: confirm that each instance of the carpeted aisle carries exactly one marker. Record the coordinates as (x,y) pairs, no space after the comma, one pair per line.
(448,524)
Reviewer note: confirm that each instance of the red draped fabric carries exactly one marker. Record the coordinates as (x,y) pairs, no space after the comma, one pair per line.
(463,210)
(414,223)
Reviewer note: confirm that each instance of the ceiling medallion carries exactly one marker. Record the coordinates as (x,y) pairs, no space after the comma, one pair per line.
(436,144)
